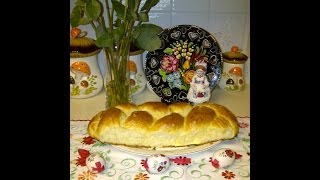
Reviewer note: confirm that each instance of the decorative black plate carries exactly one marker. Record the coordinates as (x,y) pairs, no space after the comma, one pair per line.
(170,68)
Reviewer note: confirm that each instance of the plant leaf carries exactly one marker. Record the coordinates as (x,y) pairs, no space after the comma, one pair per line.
(84,21)
(151,43)
(117,22)
(134,16)
(93,9)
(75,16)
(148,5)
(131,13)
(143,17)
(86,1)
(148,38)
(80,2)
(105,40)
(119,8)
(132,9)
(100,31)
(118,33)
(131,5)
(136,32)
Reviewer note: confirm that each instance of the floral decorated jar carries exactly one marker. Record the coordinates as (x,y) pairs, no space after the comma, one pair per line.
(85,76)
(232,79)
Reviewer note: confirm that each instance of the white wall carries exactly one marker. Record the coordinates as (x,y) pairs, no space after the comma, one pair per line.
(227,20)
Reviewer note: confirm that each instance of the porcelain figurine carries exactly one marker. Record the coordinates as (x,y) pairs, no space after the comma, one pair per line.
(199,90)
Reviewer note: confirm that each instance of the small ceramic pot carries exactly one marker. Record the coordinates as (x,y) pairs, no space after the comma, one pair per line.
(232,78)
(85,75)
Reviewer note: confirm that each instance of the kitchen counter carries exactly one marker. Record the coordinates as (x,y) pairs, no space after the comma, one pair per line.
(237,102)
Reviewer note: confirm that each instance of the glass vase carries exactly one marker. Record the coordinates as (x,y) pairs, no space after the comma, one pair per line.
(117,76)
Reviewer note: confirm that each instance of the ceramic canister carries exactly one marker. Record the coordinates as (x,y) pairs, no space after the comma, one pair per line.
(138,79)
(232,78)
(85,75)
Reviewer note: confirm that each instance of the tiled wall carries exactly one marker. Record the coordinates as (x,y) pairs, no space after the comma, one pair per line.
(227,20)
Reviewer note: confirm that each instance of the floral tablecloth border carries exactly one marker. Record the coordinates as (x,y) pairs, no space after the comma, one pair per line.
(122,165)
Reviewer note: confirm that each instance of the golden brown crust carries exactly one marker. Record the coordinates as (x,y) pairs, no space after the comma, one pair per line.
(127,108)
(93,125)
(108,118)
(225,114)
(139,120)
(181,108)
(199,117)
(155,124)
(158,109)
(170,123)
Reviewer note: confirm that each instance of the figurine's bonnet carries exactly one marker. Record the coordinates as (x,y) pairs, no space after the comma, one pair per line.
(201,65)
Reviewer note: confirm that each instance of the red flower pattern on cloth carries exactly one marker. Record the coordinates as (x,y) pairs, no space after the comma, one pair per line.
(144,164)
(86,175)
(214,163)
(237,155)
(229,153)
(83,156)
(88,140)
(243,124)
(181,160)
(228,174)
(99,167)
(141,176)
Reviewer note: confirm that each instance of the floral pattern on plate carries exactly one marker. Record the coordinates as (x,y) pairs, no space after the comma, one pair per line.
(170,68)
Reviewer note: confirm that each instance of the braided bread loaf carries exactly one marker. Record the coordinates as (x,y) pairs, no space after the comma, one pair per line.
(155,124)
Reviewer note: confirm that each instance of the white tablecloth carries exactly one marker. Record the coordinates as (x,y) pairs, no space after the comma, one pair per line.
(124,165)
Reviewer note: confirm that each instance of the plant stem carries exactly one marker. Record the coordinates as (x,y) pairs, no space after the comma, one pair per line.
(110,16)
(102,23)
(117,80)
(136,8)
(93,26)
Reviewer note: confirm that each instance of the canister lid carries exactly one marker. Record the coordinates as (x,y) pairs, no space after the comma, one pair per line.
(81,46)
(234,56)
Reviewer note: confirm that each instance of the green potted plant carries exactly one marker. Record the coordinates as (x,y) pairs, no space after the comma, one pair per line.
(126,24)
